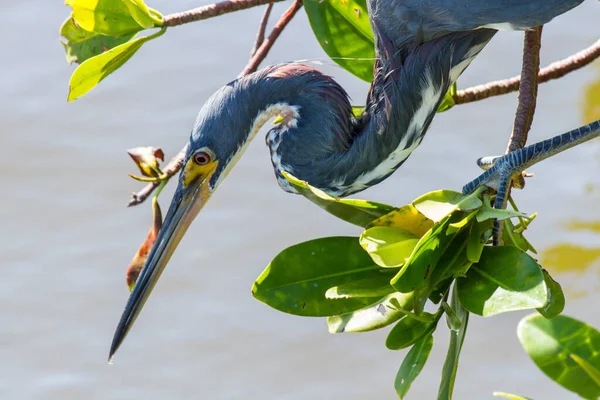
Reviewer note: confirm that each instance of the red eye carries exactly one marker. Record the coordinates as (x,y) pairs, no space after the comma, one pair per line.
(201,158)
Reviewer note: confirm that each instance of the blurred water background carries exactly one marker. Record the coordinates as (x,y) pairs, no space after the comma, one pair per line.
(67,236)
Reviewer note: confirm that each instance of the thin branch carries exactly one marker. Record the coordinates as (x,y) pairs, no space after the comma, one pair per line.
(528,90)
(260,35)
(212,10)
(171,169)
(263,50)
(555,70)
(523,117)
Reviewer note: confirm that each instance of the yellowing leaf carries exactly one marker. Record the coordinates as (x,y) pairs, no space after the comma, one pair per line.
(95,69)
(80,44)
(108,17)
(406,217)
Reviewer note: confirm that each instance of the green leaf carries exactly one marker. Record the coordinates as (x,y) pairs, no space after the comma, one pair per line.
(297,279)
(587,367)
(413,365)
(452,319)
(456,341)
(424,258)
(357,212)
(388,247)
(378,315)
(408,331)
(555,302)
(551,344)
(111,17)
(406,217)
(81,44)
(448,100)
(95,69)
(478,237)
(358,110)
(344,32)
(489,212)
(439,204)
(505,279)
(510,396)
(378,286)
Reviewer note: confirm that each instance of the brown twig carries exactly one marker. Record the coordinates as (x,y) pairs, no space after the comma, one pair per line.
(528,90)
(260,35)
(211,10)
(263,50)
(527,101)
(171,169)
(555,70)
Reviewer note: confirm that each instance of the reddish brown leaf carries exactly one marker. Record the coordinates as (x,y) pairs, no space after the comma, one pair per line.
(138,261)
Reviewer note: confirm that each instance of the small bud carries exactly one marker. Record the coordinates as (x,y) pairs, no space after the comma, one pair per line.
(146,158)
(138,261)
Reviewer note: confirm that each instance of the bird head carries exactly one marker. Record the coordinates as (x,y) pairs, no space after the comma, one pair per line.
(225,126)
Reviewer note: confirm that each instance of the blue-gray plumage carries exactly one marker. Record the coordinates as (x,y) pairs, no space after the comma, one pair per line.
(422,47)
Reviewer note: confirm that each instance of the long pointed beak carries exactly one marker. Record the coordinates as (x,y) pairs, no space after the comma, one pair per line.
(186,204)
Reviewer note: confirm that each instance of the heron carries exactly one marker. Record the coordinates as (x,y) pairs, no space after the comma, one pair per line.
(422,47)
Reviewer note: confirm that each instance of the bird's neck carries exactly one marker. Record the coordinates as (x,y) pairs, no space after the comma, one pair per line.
(320,141)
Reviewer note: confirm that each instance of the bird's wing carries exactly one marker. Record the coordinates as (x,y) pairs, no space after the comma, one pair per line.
(417,21)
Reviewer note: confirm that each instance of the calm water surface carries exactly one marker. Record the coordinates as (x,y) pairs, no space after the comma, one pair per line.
(67,236)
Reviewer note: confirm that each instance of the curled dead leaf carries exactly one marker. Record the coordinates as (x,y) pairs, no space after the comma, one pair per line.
(138,261)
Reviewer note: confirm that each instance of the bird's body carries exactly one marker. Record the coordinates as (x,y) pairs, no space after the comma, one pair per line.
(422,47)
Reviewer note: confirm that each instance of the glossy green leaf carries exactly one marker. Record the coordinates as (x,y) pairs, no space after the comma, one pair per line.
(587,367)
(551,343)
(555,302)
(478,237)
(408,331)
(81,44)
(413,365)
(439,204)
(297,279)
(388,247)
(378,315)
(457,337)
(451,264)
(110,17)
(510,396)
(95,69)
(424,258)
(505,279)
(406,217)
(357,212)
(344,32)
(448,100)
(377,286)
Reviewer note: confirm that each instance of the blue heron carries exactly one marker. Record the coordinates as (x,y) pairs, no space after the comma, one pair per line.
(422,47)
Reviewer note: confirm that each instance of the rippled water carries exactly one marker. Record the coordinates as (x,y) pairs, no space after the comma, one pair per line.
(67,235)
